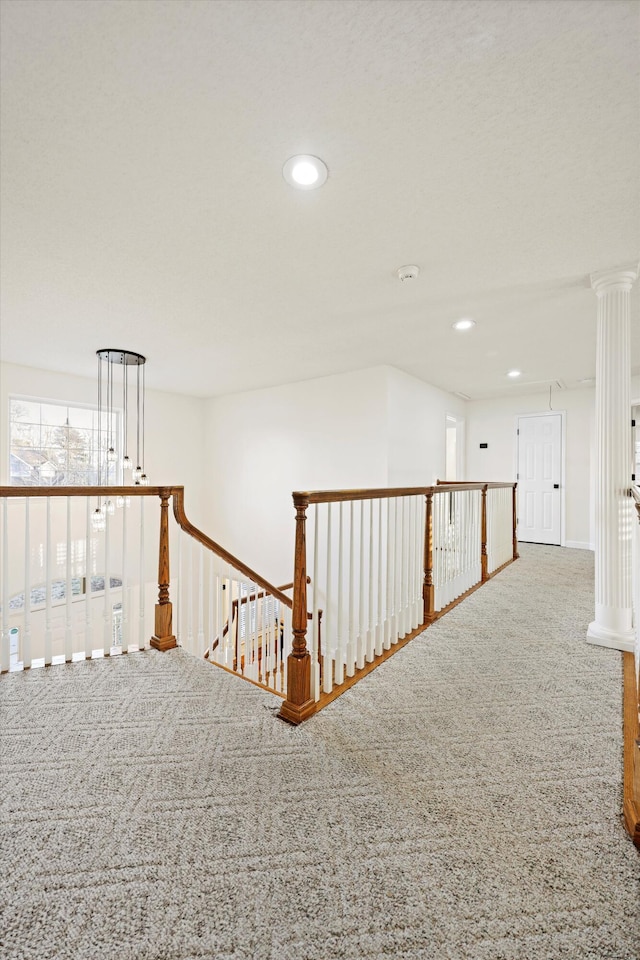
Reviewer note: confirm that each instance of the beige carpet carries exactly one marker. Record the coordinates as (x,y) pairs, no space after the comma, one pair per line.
(461,802)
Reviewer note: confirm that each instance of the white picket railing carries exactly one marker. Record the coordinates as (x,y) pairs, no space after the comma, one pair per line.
(384,563)
(457,543)
(499,526)
(365,560)
(224,611)
(68,591)
(223,615)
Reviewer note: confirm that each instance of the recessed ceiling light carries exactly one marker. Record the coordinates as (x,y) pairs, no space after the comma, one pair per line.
(305,172)
(464,324)
(514,373)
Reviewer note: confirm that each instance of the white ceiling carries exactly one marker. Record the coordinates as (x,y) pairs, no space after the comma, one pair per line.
(492,142)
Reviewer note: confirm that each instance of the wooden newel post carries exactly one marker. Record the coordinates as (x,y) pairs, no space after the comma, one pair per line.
(515,523)
(299,705)
(428,592)
(163,639)
(484,560)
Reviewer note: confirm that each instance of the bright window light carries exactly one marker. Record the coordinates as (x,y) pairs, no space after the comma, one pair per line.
(305,172)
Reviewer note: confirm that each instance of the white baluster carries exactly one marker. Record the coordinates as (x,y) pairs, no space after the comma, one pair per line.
(341,647)
(370,636)
(142,637)
(108,606)
(397,572)
(68,591)
(5,656)
(88,625)
(380,624)
(219,653)
(213,593)
(351,646)
(48,635)
(26,610)
(124,592)
(388,610)
(190,595)
(200,650)
(315,622)
(178,593)
(328,639)
(361,632)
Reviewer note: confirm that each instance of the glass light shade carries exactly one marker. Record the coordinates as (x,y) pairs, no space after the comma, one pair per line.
(137,473)
(110,507)
(144,480)
(127,463)
(112,456)
(119,502)
(98,519)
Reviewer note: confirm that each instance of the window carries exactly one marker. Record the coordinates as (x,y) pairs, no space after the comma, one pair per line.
(56,444)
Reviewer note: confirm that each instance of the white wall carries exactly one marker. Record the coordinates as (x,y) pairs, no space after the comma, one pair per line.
(494,422)
(416,429)
(370,428)
(322,434)
(173,436)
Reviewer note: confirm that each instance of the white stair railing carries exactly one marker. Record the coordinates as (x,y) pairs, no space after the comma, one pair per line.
(67,590)
(225,611)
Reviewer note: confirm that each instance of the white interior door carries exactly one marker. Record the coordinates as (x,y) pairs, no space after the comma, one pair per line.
(539,478)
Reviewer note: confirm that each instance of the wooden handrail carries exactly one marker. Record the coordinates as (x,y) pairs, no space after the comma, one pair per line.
(188,527)
(491,485)
(378,493)
(123,491)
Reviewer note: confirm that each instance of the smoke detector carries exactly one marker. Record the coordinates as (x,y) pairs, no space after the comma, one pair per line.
(410,272)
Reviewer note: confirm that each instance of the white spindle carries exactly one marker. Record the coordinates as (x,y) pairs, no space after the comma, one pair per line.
(189,586)
(397,572)
(26,610)
(124,592)
(142,639)
(370,636)
(341,650)
(351,646)
(88,626)
(108,606)
(361,634)
(315,622)
(213,594)
(201,600)
(328,639)
(239,666)
(48,588)
(68,592)
(379,623)
(5,656)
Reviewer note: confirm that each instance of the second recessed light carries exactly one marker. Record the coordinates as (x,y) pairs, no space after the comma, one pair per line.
(305,172)
(514,373)
(466,323)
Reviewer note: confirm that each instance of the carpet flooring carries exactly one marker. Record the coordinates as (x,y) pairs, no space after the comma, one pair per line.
(460,803)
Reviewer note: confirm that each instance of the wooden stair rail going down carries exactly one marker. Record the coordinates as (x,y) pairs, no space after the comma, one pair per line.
(188,527)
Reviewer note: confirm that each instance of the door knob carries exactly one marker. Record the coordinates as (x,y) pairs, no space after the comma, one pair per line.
(556,486)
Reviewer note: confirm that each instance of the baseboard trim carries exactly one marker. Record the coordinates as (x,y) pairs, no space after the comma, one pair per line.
(631,784)
(579,545)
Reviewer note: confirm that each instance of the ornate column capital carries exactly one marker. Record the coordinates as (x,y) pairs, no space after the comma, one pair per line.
(617,278)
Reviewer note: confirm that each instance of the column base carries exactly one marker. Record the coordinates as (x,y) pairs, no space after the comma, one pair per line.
(600,636)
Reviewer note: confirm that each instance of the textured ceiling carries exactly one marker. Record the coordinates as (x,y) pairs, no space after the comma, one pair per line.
(493,143)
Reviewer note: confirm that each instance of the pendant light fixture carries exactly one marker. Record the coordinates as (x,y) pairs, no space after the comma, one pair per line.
(108,454)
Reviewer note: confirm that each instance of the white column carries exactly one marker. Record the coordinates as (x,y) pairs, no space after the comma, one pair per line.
(612,625)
